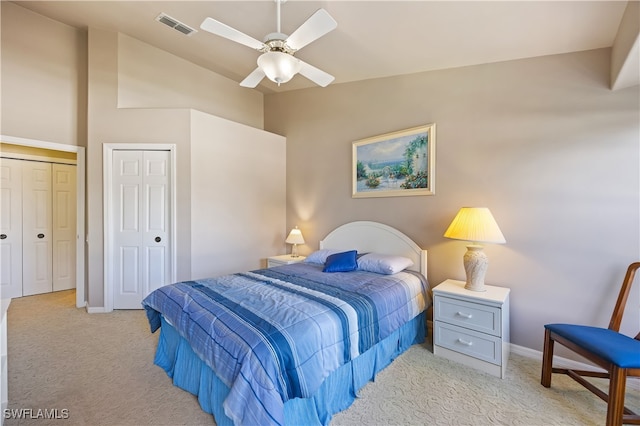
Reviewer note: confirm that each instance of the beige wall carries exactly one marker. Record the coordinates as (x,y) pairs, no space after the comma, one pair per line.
(625,65)
(107,124)
(43,78)
(149,77)
(238,210)
(542,142)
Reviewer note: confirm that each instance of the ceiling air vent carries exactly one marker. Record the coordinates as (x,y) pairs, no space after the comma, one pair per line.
(175,24)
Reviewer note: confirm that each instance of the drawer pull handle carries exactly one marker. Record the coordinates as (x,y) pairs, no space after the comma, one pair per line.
(464,342)
(462,314)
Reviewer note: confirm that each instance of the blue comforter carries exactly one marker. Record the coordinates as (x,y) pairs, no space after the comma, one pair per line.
(272,335)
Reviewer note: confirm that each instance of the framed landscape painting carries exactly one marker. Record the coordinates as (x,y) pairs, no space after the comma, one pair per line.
(395,164)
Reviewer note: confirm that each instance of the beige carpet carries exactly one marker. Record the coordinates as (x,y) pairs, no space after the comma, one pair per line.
(100,369)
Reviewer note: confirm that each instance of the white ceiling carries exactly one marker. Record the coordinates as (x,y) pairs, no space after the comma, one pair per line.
(373,39)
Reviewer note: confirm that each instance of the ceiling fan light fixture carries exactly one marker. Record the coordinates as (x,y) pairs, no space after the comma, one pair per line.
(279,67)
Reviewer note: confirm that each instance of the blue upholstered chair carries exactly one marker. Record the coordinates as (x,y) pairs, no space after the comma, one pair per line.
(616,353)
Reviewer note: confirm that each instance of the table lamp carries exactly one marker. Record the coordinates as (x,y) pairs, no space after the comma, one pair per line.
(476,225)
(295,238)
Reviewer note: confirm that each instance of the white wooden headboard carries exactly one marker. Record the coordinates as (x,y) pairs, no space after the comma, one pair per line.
(366,237)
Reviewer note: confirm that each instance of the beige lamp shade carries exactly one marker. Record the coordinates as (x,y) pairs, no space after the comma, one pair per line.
(295,238)
(477,225)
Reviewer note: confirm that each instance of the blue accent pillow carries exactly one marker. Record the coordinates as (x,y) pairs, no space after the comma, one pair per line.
(341,262)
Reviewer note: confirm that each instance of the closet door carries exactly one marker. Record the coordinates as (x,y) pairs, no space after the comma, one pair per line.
(37,228)
(64,226)
(11,228)
(141,218)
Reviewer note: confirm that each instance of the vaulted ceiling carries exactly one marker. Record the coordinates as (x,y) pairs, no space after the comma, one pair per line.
(373,38)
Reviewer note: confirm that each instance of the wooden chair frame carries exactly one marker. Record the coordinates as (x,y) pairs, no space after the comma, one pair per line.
(617,413)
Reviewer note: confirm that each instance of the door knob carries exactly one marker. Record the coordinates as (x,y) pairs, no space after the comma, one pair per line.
(3,236)
(158,239)
(40,235)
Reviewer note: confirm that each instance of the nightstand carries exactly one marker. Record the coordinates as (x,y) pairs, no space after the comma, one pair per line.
(472,327)
(283,259)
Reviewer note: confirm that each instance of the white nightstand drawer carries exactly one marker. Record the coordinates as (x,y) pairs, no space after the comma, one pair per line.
(472,327)
(468,342)
(473,316)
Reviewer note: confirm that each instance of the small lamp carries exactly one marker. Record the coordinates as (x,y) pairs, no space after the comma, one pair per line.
(295,238)
(475,224)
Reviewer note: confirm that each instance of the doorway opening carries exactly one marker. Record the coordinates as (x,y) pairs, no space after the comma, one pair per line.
(80,284)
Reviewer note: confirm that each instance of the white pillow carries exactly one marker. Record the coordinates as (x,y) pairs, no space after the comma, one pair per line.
(320,256)
(383,263)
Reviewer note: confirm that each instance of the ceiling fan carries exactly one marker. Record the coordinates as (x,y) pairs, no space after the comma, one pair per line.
(277,62)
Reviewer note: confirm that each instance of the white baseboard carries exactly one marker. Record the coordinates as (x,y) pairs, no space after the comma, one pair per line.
(96,310)
(560,362)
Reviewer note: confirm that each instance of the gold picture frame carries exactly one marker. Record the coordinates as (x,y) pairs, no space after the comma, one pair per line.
(395,164)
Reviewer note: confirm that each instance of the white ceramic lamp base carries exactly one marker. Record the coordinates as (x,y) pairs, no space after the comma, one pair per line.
(475,266)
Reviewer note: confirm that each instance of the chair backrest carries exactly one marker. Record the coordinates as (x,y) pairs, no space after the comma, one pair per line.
(616,318)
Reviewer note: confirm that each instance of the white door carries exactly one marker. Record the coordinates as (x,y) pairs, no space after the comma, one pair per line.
(10,228)
(141,215)
(64,226)
(36,228)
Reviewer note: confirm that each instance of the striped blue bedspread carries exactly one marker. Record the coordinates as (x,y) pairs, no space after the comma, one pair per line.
(272,335)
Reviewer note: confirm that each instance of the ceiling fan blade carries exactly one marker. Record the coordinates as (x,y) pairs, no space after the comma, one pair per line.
(316,75)
(223,30)
(253,79)
(312,29)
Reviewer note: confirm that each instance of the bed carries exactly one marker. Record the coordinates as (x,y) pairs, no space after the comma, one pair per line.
(293,344)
